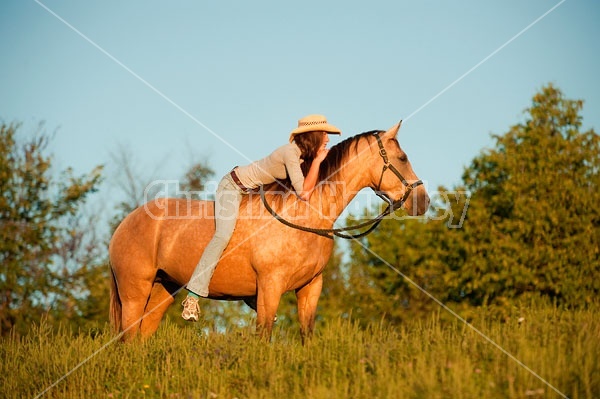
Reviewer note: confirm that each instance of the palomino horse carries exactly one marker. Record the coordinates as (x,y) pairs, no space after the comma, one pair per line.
(155,248)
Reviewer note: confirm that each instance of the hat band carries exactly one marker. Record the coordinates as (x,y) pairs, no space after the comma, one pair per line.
(309,123)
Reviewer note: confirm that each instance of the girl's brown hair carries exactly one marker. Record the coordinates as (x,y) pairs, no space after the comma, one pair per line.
(309,144)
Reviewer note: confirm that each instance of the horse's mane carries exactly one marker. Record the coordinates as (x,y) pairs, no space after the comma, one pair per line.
(338,154)
(332,164)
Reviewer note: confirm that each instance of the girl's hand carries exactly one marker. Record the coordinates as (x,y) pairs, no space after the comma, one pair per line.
(321,154)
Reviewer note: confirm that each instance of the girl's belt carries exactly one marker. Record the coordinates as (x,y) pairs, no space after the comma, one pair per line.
(237,181)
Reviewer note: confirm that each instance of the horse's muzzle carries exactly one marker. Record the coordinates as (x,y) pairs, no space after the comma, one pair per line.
(418,202)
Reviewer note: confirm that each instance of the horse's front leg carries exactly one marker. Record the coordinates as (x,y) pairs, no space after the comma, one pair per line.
(267,302)
(308,297)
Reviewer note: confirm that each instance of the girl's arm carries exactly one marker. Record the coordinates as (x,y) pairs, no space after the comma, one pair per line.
(310,181)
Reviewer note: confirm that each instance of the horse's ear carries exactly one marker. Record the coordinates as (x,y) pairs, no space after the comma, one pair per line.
(393,131)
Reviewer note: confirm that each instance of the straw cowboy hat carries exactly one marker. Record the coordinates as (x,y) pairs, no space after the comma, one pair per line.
(313,123)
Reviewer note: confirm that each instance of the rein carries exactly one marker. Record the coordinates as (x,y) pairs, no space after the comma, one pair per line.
(373,223)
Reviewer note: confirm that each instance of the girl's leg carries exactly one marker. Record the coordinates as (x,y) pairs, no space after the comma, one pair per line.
(227,206)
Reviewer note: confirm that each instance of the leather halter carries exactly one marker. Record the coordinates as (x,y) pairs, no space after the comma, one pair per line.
(387,165)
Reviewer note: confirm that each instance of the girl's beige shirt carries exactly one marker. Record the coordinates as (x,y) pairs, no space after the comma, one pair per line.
(284,161)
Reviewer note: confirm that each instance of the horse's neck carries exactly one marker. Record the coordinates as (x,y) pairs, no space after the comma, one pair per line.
(333,196)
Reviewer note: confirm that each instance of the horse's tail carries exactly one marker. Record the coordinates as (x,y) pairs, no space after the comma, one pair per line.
(115,313)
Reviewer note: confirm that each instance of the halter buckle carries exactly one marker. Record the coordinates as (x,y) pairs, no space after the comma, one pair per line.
(383,154)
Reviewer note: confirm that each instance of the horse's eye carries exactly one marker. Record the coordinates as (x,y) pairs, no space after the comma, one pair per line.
(403,158)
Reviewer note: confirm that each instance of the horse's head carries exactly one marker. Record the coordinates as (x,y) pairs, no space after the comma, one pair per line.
(392,175)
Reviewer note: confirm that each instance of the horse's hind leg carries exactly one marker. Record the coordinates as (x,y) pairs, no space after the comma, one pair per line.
(135,282)
(134,300)
(160,299)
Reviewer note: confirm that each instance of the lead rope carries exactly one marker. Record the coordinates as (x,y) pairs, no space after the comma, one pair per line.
(329,233)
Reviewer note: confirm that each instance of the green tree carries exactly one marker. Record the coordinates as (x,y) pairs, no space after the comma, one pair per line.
(196,177)
(390,267)
(532,227)
(83,252)
(37,239)
(534,222)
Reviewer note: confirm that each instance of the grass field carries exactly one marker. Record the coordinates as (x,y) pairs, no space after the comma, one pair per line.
(421,359)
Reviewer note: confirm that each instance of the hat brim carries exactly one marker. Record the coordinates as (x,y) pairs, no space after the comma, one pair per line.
(326,127)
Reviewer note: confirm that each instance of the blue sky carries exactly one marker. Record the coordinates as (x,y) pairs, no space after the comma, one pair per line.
(236,76)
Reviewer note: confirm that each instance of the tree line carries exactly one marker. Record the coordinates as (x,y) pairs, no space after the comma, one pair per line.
(531,229)
(523,224)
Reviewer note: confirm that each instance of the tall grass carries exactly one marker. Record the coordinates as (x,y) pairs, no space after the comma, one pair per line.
(421,359)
